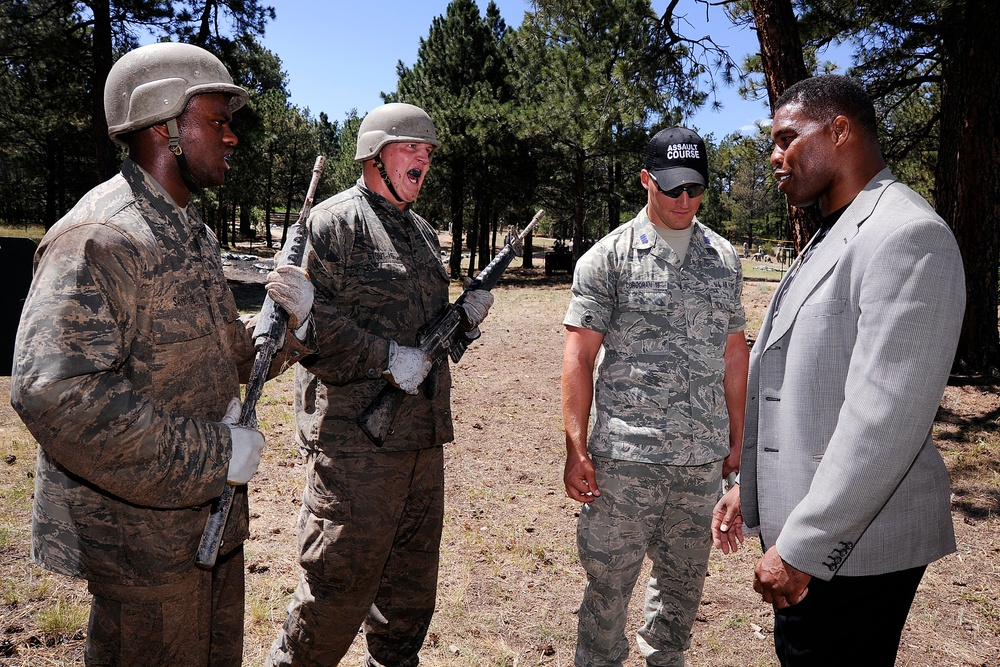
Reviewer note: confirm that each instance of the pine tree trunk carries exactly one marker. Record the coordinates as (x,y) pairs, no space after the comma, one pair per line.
(289,198)
(614,201)
(246,222)
(104,149)
(578,210)
(52,208)
(268,188)
(472,242)
(967,178)
(781,56)
(485,239)
(219,223)
(457,204)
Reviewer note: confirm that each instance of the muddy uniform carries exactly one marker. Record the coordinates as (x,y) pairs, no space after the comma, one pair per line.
(370,525)
(129,350)
(660,430)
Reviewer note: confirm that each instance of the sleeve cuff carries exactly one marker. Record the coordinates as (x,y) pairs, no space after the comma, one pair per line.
(302,333)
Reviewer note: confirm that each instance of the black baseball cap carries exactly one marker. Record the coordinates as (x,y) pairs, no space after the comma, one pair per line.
(676,156)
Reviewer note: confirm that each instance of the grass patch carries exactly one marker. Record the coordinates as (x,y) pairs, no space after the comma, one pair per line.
(63,618)
(33,231)
(763,271)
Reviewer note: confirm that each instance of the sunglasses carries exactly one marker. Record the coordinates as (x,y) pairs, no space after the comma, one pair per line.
(693,190)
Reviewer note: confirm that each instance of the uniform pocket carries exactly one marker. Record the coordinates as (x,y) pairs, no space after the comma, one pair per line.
(716,325)
(378,266)
(183,314)
(643,300)
(323,523)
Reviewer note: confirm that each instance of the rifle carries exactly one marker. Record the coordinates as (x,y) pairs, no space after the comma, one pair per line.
(441,336)
(268,336)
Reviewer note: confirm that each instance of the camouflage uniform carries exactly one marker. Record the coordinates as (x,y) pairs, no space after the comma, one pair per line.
(128,353)
(370,525)
(660,430)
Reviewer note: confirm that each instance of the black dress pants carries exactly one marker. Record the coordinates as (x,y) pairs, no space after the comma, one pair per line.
(853,621)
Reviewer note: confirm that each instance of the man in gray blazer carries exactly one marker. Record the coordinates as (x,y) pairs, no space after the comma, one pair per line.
(838,469)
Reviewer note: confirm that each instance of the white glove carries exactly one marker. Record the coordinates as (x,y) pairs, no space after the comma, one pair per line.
(289,287)
(247,445)
(408,366)
(476,305)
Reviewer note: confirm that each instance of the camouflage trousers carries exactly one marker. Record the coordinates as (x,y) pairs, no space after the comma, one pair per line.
(659,511)
(369,539)
(195,621)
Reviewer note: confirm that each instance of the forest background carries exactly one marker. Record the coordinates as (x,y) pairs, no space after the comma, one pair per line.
(553,114)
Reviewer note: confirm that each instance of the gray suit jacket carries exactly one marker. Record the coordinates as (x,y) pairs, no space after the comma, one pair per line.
(839,469)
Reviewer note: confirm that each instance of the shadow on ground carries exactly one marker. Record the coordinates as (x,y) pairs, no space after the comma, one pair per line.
(249,295)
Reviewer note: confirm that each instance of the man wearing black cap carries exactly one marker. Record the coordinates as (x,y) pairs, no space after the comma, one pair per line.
(660,296)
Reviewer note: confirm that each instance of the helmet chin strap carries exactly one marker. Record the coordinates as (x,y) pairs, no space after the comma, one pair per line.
(385,179)
(175,147)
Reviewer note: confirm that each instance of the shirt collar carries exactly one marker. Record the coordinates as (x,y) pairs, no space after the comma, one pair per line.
(185,221)
(381,205)
(646,237)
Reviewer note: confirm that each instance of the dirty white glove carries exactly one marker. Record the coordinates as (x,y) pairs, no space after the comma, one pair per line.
(289,287)
(476,305)
(247,445)
(408,366)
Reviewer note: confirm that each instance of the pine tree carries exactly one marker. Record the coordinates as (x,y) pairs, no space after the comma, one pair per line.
(459,78)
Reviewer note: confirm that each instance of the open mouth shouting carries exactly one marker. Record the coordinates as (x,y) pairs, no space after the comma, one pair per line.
(404,167)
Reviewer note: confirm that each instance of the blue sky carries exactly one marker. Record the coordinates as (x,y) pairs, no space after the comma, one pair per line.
(341,54)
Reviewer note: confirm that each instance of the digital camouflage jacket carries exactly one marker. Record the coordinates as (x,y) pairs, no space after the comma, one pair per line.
(659,396)
(378,277)
(130,348)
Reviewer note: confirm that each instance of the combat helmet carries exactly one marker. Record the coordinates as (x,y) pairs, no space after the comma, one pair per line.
(153,84)
(395,122)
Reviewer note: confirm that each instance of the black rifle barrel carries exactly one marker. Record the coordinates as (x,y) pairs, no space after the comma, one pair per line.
(377,418)
(272,323)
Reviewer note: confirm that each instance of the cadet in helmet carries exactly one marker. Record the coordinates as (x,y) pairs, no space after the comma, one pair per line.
(370,525)
(127,370)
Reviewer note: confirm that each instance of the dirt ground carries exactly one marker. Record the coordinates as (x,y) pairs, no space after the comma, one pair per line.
(510,579)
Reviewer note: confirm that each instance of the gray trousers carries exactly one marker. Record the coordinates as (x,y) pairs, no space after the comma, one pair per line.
(369,539)
(660,511)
